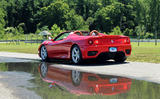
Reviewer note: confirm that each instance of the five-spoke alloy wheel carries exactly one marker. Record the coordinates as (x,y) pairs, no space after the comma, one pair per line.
(76,55)
(43,69)
(44,54)
(76,77)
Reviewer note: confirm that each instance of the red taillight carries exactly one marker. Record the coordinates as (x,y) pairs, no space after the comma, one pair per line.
(96,42)
(127,40)
(90,42)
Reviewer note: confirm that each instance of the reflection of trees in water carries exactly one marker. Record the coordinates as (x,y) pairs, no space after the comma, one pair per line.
(23,67)
(3,67)
(144,90)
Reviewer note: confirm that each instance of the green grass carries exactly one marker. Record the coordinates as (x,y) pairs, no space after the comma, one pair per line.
(21,48)
(146,52)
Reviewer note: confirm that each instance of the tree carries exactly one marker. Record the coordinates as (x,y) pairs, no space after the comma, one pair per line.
(55,13)
(108,17)
(104,15)
(154,17)
(74,21)
(2,22)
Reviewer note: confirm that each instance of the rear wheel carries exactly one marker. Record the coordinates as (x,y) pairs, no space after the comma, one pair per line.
(44,54)
(76,55)
(120,57)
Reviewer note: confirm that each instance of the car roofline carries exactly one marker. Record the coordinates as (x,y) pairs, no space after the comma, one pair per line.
(73,31)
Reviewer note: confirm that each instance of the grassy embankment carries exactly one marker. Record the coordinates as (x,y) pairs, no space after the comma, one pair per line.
(146,52)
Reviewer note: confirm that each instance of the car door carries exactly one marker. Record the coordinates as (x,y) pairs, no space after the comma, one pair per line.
(60,46)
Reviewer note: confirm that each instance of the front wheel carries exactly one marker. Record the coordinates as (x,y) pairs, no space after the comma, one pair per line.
(43,69)
(44,54)
(76,77)
(76,55)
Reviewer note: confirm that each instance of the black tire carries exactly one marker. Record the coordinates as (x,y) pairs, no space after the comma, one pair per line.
(43,69)
(44,53)
(120,57)
(76,55)
(76,77)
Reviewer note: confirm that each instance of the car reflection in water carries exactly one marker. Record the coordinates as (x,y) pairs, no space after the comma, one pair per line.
(84,83)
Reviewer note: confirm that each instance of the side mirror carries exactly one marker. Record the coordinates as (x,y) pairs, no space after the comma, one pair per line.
(50,38)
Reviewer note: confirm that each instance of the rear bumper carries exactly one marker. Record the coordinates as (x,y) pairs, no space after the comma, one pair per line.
(96,50)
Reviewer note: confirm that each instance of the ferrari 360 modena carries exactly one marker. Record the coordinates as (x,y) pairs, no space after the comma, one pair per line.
(81,45)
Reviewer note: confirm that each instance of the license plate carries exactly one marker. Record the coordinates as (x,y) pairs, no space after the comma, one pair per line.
(112,49)
(113,80)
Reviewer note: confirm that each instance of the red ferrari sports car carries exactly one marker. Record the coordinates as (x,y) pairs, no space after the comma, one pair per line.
(79,45)
(82,83)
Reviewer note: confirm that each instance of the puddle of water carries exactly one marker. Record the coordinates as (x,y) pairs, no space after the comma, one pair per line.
(52,82)
(14,81)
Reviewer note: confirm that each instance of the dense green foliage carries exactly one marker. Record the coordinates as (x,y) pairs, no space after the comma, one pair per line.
(2,22)
(134,18)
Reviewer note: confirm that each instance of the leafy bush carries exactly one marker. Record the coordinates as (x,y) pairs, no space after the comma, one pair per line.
(148,35)
(20,28)
(116,31)
(55,30)
(128,32)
